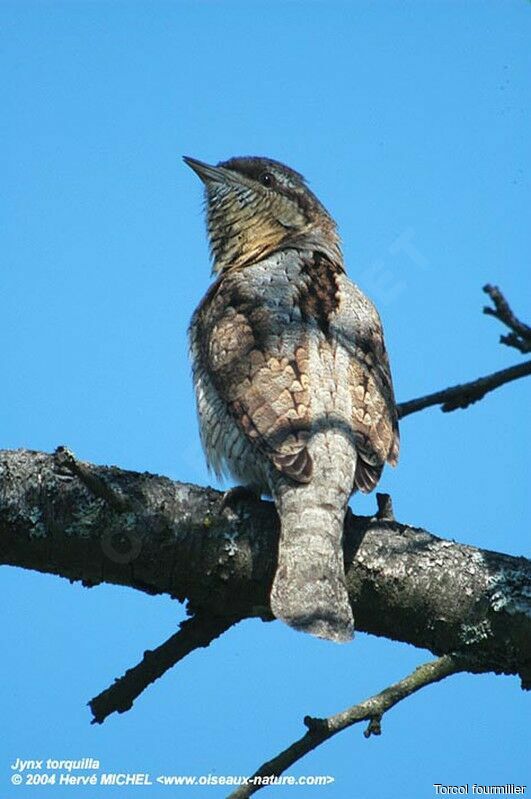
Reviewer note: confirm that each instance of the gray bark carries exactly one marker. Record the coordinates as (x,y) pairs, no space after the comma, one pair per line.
(102,524)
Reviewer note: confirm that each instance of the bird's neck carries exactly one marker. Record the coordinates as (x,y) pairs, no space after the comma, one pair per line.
(260,247)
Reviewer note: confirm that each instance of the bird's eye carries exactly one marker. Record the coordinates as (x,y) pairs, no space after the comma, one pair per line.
(267,179)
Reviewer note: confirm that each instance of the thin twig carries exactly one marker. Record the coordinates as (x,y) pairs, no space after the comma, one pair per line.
(371,710)
(520,335)
(464,395)
(199,631)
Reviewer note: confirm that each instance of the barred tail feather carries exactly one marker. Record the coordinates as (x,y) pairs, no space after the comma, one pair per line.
(309,591)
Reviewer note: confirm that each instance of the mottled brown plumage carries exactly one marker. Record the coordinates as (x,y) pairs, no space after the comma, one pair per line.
(292,379)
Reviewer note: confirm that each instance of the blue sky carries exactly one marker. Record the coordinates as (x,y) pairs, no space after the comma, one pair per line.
(411,122)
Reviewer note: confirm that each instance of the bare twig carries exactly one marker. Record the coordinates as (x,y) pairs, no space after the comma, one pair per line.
(371,710)
(199,631)
(520,335)
(466,394)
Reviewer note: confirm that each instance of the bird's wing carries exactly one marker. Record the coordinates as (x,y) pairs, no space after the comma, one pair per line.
(358,328)
(253,338)
(253,356)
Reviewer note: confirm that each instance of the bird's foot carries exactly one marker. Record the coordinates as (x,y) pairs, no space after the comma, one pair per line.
(238,494)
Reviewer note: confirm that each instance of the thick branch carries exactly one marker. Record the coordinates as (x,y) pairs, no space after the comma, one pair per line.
(403,583)
(466,394)
(371,710)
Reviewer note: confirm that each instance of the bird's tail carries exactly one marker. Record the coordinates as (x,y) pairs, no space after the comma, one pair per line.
(309,591)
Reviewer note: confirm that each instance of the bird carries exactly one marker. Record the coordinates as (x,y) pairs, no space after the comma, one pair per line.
(293,386)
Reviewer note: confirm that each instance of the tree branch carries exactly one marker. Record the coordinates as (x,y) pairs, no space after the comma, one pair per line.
(403,582)
(371,710)
(199,631)
(466,394)
(520,335)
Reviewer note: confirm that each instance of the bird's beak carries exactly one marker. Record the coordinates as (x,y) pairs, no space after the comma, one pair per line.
(206,172)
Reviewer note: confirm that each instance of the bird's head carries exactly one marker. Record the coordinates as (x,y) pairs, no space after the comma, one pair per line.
(256,206)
